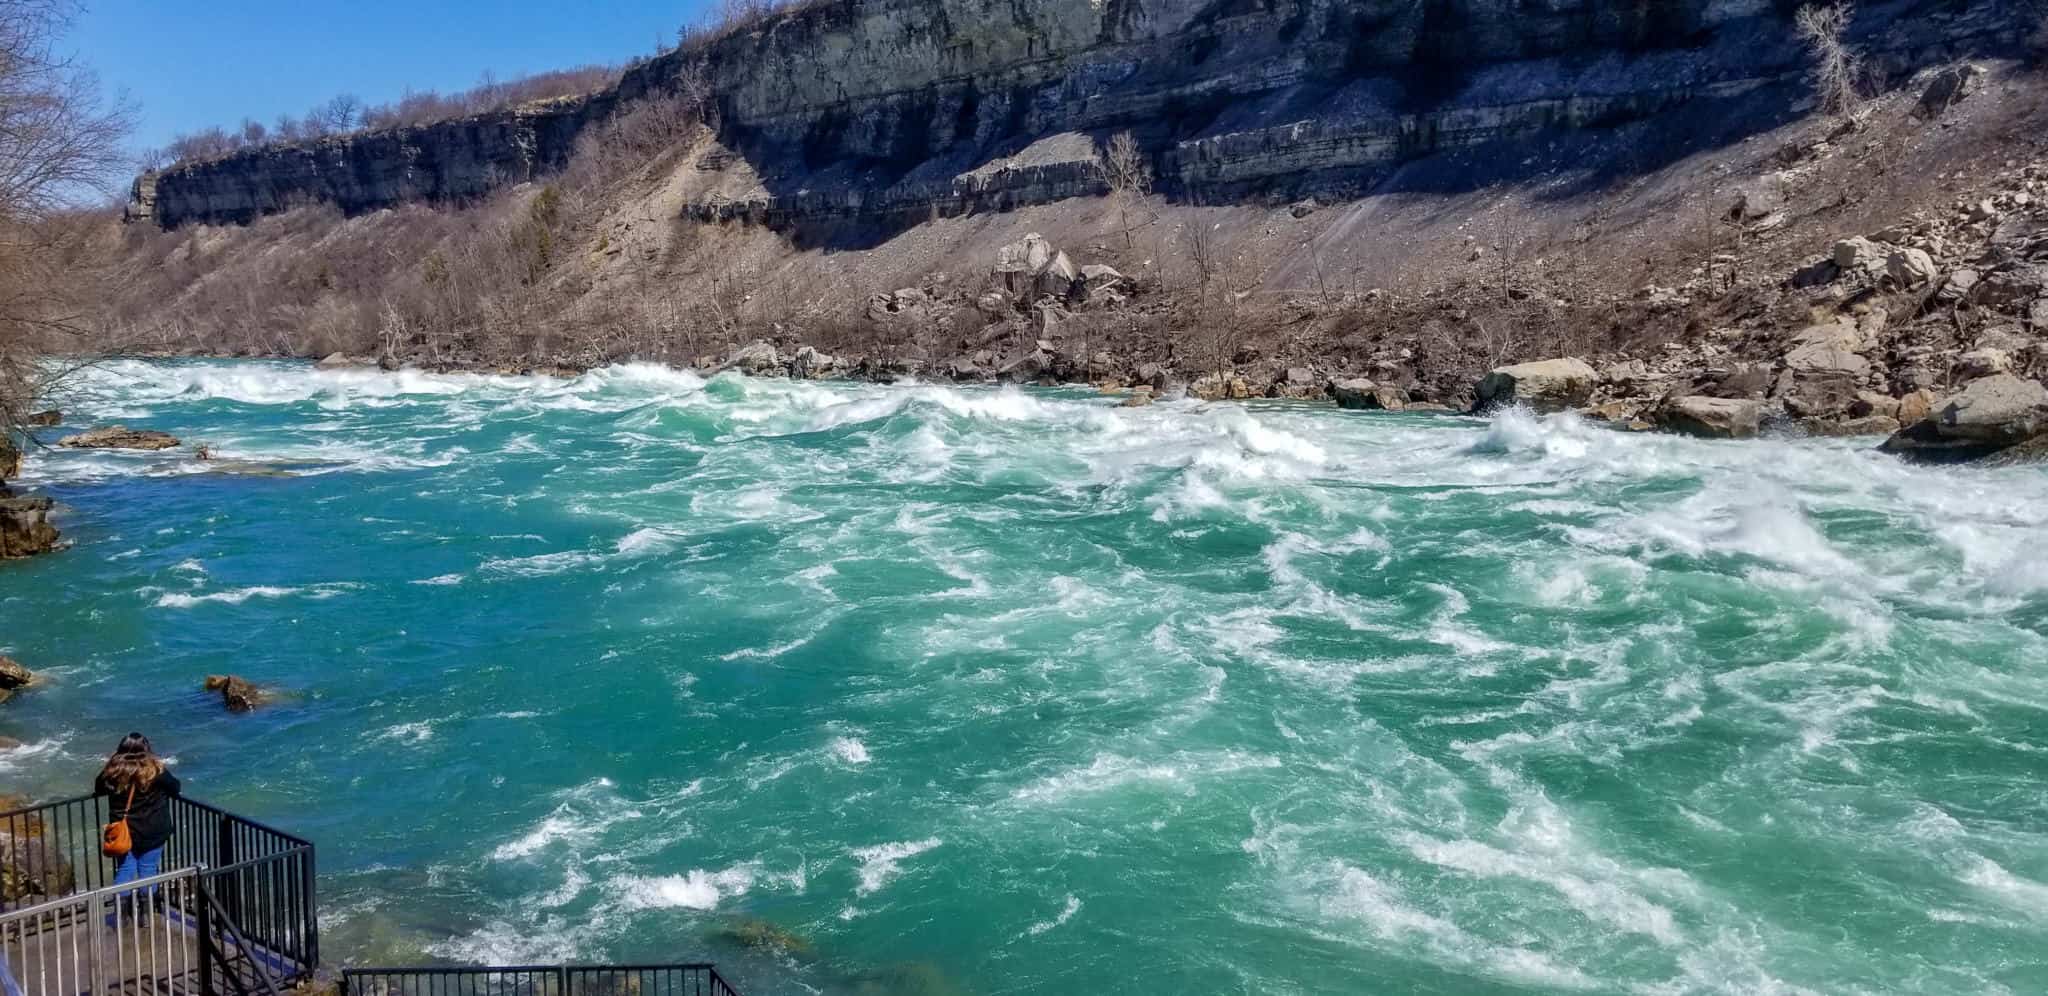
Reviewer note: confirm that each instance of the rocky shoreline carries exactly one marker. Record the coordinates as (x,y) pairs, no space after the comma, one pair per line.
(1885,334)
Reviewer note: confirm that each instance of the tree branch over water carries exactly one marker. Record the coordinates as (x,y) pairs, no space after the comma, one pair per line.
(61,146)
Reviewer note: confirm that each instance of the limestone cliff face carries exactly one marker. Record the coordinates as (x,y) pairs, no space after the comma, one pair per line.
(847,108)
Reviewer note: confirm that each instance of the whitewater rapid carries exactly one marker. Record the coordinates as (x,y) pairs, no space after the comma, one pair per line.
(1017,690)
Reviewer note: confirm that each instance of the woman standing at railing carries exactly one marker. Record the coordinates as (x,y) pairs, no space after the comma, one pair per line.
(141,790)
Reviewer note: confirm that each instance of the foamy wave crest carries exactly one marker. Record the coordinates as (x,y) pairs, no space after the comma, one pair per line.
(696,889)
(178,600)
(883,863)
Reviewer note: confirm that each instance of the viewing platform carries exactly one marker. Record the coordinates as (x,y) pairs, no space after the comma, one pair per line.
(233,912)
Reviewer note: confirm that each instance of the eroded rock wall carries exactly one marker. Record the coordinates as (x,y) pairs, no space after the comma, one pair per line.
(847,108)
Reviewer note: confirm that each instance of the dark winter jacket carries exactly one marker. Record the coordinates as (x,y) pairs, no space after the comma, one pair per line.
(149,819)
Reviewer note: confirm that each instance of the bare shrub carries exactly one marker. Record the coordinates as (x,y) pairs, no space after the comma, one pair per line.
(1835,65)
(1128,171)
(730,17)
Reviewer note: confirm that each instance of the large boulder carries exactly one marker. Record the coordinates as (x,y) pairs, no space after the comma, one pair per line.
(13,677)
(1220,387)
(1985,362)
(1367,395)
(1834,347)
(757,358)
(236,693)
(1819,393)
(1545,385)
(1988,415)
(1948,87)
(343,361)
(1711,418)
(810,364)
(1027,366)
(45,419)
(1058,277)
(25,528)
(1018,263)
(120,437)
(2013,287)
(1861,257)
(1911,268)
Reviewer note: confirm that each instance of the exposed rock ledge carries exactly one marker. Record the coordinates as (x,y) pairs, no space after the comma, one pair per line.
(868,108)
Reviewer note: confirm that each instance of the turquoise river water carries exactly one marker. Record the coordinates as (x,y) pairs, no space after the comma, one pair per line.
(997,691)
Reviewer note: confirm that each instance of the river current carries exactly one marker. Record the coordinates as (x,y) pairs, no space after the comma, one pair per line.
(959,690)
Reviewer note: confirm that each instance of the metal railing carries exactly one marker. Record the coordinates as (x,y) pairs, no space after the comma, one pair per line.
(232,888)
(696,979)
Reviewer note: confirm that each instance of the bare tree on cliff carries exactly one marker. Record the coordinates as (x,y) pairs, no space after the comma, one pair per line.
(60,142)
(1129,175)
(1835,65)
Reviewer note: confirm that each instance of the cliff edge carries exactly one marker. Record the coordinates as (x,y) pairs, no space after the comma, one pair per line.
(880,109)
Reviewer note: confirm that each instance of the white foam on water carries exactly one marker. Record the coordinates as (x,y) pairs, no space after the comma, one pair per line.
(883,863)
(2021,894)
(179,600)
(642,542)
(849,750)
(767,653)
(696,889)
(1066,913)
(32,754)
(440,580)
(1355,898)
(406,733)
(1109,772)
(583,815)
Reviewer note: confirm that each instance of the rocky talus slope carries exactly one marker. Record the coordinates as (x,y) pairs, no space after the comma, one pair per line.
(883,110)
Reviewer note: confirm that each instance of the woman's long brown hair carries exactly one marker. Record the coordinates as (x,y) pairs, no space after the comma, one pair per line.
(133,765)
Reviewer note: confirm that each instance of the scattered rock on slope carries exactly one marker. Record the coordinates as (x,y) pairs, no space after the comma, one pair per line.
(120,437)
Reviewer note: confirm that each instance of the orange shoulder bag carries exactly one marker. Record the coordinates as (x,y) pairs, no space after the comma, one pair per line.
(115,841)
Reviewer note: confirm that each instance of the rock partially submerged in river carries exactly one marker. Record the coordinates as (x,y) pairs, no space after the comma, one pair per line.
(1364,394)
(2001,416)
(1711,418)
(45,419)
(1544,385)
(120,437)
(235,692)
(343,361)
(763,935)
(757,359)
(13,677)
(25,528)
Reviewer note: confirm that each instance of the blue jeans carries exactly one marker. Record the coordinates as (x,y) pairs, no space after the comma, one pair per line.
(137,865)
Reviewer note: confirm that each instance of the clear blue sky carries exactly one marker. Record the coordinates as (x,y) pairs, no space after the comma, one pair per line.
(191,65)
